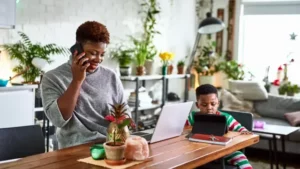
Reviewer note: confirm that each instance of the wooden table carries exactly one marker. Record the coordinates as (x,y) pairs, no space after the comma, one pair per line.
(172,153)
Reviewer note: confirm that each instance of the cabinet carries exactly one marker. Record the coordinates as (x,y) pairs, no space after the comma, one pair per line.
(141,81)
(7,14)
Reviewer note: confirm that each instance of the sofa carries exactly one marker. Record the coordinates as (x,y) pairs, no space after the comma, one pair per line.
(252,97)
(273,111)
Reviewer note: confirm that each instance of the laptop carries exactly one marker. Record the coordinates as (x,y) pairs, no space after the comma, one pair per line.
(209,124)
(169,124)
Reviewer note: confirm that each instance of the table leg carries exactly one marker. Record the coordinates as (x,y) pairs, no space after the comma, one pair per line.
(48,134)
(275,151)
(270,153)
(283,151)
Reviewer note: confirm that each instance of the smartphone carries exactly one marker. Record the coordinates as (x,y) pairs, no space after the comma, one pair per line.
(76,47)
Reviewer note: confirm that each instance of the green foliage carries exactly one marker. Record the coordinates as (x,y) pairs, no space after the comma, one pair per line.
(206,60)
(181,63)
(232,69)
(140,51)
(288,88)
(123,55)
(151,10)
(25,51)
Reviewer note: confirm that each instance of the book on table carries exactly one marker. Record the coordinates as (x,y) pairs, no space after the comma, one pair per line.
(211,139)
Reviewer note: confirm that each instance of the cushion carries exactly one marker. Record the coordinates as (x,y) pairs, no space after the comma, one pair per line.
(276,106)
(233,102)
(293,118)
(250,90)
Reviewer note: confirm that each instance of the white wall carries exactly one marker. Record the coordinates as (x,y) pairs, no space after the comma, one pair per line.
(56,21)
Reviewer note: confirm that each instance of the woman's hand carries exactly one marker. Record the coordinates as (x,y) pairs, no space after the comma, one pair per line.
(79,66)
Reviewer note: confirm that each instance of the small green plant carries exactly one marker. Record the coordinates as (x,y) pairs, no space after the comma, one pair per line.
(25,51)
(123,55)
(140,51)
(181,63)
(289,89)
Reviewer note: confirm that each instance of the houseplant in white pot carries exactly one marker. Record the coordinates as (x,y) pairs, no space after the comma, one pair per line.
(117,133)
(205,64)
(124,56)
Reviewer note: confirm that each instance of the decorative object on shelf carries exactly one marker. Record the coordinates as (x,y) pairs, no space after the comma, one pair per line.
(165,57)
(117,133)
(3,82)
(170,69)
(266,80)
(25,51)
(149,67)
(140,54)
(288,88)
(180,67)
(173,97)
(124,56)
(136,148)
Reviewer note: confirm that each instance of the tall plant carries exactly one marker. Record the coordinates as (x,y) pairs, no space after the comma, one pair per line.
(140,51)
(151,10)
(25,51)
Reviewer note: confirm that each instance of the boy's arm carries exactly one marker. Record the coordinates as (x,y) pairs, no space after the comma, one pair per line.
(190,120)
(234,125)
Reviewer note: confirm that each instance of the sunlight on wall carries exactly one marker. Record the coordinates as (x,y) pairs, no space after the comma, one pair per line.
(5,66)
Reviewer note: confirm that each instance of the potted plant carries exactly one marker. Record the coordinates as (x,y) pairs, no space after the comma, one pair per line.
(206,63)
(150,11)
(180,67)
(289,89)
(124,56)
(232,69)
(117,133)
(140,55)
(166,57)
(25,51)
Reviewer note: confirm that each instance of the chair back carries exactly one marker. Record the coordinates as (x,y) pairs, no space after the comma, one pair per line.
(245,119)
(19,142)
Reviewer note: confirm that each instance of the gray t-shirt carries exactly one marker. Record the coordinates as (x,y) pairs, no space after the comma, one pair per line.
(87,122)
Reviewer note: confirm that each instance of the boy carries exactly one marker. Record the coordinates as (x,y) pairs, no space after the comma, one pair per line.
(208,103)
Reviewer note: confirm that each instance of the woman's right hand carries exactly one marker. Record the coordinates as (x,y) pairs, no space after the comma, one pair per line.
(79,67)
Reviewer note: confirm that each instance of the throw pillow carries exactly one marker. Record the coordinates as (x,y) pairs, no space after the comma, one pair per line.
(293,118)
(236,103)
(249,90)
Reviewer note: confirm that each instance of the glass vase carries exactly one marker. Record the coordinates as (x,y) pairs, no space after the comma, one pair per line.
(114,133)
(164,70)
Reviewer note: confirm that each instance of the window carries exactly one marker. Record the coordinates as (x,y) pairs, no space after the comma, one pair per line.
(265,39)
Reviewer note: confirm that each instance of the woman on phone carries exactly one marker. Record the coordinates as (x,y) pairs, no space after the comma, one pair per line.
(76,94)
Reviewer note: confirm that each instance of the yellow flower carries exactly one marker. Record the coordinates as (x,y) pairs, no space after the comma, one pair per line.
(166,56)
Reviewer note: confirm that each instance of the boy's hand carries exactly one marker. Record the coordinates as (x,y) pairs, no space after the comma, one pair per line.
(246,132)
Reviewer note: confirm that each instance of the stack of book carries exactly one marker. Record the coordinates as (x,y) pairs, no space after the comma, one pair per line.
(143,99)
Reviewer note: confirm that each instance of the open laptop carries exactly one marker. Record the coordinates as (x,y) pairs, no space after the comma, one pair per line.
(170,122)
(209,124)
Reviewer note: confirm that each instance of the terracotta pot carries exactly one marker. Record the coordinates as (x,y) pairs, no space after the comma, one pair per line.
(120,134)
(180,69)
(114,152)
(140,70)
(170,69)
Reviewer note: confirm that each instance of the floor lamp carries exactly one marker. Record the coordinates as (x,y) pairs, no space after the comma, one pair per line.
(208,26)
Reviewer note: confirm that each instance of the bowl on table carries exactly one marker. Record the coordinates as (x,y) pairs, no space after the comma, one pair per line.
(3,83)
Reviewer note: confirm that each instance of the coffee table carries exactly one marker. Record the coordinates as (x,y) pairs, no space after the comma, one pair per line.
(276,130)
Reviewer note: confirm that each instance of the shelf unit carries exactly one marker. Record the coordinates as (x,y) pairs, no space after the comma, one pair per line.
(141,80)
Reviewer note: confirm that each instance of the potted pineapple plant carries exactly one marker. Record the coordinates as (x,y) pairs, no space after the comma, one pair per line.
(117,133)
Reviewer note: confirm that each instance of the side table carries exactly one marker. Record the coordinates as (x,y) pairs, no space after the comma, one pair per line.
(276,131)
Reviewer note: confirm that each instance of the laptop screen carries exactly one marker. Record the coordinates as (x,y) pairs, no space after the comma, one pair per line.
(209,124)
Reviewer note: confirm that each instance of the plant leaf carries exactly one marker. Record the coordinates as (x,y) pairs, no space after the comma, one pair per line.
(124,123)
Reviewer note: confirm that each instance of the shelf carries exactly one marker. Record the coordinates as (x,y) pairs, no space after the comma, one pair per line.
(151,106)
(153,77)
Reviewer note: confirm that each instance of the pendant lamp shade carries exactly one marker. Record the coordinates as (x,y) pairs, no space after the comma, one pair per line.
(210,25)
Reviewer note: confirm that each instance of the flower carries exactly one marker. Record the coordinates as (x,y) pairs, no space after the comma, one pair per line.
(166,57)
(279,68)
(276,82)
(110,118)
